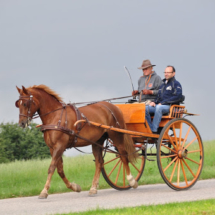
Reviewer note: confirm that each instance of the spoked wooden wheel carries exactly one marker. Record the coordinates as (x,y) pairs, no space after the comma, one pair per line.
(114,171)
(180,154)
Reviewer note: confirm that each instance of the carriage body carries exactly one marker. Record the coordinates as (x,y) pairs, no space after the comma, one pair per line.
(178,148)
(134,116)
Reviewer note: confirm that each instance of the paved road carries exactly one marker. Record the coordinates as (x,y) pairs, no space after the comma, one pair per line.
(110,198)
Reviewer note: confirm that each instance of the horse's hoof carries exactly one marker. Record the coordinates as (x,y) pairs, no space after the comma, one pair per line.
(132,182)
(43,196)
(76,187)
(135,185)
(92,192)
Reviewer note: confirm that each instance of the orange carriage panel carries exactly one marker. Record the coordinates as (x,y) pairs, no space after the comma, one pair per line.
(140,127)
(164,121)
(133,113)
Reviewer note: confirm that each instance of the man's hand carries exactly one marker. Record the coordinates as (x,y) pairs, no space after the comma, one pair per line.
(135,92)
(147,92)
(152,104)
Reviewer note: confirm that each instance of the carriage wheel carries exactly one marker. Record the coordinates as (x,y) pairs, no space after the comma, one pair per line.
(114,172)
(180,154)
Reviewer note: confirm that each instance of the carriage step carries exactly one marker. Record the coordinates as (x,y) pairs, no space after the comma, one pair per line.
(150,159)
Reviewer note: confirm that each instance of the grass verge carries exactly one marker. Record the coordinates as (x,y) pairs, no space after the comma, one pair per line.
(204,207)
(27,178)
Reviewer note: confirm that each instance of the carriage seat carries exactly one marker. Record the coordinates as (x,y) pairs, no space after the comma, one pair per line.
(176,111)
(173,111)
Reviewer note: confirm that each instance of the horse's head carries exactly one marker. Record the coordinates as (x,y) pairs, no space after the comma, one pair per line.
(27,106)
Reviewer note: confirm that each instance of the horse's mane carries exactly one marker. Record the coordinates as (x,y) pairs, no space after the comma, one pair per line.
(47,90)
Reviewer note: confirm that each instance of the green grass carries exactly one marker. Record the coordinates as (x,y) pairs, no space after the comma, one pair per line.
(27,178)
(204,207)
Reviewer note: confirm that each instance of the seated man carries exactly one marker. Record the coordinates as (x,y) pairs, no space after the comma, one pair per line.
(170,92)
(149,83)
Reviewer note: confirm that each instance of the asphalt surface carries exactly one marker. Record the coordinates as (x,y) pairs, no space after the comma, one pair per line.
(109,198)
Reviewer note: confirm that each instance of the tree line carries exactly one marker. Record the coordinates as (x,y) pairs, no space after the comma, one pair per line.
(17,143)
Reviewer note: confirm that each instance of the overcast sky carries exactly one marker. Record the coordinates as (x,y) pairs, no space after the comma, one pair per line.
(79,49)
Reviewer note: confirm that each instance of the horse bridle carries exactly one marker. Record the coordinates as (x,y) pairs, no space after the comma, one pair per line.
(29,100)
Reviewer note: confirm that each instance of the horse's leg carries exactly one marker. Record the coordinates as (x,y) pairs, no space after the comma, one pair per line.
(118,142)
(97,152)
(132,182)
(56,153)
(72,186)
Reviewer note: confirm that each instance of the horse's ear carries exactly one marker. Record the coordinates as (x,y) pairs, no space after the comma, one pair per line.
(19,90)
(24,90)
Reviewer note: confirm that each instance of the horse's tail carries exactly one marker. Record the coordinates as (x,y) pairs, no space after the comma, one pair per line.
(129,147)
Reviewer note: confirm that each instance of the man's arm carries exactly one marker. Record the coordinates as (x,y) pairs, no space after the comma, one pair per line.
(158,98)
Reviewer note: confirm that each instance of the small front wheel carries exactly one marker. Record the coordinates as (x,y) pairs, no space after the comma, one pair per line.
(180,154)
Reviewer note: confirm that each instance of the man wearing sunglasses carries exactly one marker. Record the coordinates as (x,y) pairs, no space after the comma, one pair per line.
(170,92)
(148,84)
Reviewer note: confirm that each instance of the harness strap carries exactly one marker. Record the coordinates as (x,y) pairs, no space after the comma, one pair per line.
(72,133)
(64,128)
(78,114)
(79,127)
(58,128)
(59,122)
(117,123)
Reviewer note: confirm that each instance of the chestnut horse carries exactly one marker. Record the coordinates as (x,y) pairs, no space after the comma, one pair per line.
(50,107)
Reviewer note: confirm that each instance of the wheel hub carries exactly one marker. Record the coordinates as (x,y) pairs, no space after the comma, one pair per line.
(182,153)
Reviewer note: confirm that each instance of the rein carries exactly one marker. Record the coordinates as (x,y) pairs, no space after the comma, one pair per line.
(37,115)
(108,100)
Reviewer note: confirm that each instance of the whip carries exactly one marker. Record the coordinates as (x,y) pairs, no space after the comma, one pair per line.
(132,86)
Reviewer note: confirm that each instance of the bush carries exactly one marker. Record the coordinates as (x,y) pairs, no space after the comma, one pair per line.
(17,143)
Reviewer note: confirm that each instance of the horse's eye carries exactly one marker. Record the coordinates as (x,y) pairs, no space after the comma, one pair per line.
(24,105)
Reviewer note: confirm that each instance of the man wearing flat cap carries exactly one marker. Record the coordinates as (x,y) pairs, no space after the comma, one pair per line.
(148,84)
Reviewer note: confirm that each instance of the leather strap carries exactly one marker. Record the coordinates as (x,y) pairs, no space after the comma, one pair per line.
(64,129)
(78,114)
(117,123)
(72,133)
(57,128)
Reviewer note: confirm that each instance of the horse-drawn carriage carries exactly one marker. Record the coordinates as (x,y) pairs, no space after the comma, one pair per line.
(119,135)
(178,148)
